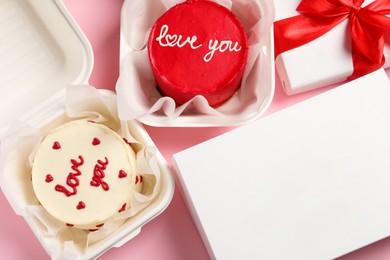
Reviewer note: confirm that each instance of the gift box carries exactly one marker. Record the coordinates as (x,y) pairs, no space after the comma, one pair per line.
(44,71)
(305,62)
(308,182)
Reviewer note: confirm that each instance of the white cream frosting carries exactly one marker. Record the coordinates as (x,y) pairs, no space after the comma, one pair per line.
(84,173)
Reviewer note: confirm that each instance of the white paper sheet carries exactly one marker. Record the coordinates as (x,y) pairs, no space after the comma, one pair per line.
(309,182)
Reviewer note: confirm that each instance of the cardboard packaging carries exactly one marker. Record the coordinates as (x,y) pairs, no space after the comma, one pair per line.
(322,62)
(309,182)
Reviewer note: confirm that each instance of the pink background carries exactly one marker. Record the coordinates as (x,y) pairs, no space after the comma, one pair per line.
(172,235)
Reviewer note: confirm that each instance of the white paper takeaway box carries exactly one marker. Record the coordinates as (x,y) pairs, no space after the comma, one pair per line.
(309,182)
(42,51)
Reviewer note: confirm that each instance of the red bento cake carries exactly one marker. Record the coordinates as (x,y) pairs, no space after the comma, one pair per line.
(198,47)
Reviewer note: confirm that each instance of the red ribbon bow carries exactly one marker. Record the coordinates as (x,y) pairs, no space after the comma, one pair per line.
(367,25)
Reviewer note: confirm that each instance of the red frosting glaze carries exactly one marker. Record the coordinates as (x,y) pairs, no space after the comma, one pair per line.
(198,47)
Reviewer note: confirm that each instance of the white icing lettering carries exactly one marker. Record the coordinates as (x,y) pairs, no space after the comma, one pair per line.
(171,40)
(222,47)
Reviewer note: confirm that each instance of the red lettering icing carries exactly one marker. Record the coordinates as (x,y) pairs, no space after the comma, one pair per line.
(69,225)
(100,225)
(123,208)
(136,179)
(49,178)
(98,175)
(92,230)
(95,141)
(122,174)
(56,146)
(81,205)
(72,181)
(141,178)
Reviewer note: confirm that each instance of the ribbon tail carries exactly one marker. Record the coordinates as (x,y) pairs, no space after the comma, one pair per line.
(362,67)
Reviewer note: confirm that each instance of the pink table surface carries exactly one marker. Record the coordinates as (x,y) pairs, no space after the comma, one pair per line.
(172,235)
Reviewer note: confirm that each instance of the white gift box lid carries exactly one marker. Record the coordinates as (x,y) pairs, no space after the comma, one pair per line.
(42,51)
(309,182)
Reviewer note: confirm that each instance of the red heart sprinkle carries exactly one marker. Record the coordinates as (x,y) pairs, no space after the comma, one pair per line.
(81,205)
(93,229)
(122,174)
(136,179)
(141,178)
(100,225)
(69,225)
(95,141)
(56,146)
(126,141)
(49,178)
(123,208)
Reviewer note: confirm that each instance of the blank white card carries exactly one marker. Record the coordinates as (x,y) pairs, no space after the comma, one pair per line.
(309,182)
